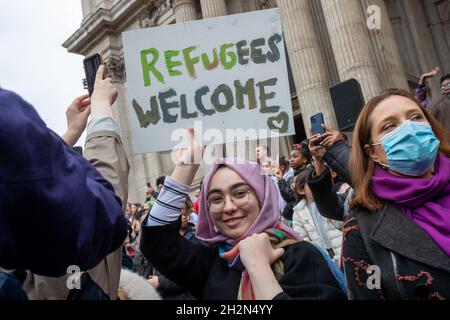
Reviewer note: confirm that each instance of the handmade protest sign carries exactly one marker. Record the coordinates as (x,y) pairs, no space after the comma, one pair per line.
(229,74)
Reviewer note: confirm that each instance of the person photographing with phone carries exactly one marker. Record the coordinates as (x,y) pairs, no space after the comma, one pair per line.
(74,200)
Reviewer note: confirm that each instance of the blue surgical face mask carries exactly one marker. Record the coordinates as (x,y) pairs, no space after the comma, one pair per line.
(411,149)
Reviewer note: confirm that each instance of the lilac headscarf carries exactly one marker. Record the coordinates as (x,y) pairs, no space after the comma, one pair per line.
(425,201)
(266,192)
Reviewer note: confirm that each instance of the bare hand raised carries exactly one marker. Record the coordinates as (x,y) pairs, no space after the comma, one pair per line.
(104,95)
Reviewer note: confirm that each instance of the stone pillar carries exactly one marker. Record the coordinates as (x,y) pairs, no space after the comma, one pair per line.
(249,5)
(438,33)
(324,41)
(384,47)
(307,63)
(239,6)
(184,10)
(86,7)
(423,42)
(349,39)
(213,8)
(396,22)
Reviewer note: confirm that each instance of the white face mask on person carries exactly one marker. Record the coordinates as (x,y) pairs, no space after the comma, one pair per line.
(411,149)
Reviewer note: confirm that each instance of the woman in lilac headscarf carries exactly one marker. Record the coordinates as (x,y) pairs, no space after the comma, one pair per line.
(247,254)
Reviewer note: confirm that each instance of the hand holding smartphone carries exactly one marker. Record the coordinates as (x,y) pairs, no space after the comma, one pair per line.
(91,65)
(317,125)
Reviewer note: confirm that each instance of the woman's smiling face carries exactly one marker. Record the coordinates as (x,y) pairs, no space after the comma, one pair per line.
(233,204)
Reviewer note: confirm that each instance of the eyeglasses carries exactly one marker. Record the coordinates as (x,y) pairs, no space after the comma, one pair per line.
(445,87)
(239,197)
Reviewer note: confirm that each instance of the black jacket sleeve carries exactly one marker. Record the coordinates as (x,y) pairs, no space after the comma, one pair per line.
(356,261)
(337,158)
(330,204)
(286,191)
(307,275)
(184,262)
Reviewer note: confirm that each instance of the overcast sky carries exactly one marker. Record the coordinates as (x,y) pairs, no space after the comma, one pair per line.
(32,61)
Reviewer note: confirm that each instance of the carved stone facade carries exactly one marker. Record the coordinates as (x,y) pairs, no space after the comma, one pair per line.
(327,40)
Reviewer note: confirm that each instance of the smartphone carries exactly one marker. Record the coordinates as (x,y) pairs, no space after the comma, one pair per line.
(91,65)
(317,122)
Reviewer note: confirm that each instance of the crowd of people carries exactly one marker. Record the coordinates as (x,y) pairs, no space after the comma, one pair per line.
(366,220)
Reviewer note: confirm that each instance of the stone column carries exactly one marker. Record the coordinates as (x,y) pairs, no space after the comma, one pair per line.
(349,39)
(249,5)
(423,42)
(385,50)
(307,63)
(324,41)
(184,10)
(213,8)
(438,33)
(396,22)
(239,6)
(86,7)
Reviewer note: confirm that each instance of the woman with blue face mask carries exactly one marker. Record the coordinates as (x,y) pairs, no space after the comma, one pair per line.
(397,237)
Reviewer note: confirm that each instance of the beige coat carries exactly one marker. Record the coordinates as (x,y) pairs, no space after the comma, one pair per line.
(105,152)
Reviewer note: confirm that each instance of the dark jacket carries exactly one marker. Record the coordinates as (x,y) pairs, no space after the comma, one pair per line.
(329,203)
(56,209)
(337,158)
(168,289)
(199,268)
(411,264)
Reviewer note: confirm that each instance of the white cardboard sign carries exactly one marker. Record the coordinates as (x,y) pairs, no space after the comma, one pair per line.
(228,74)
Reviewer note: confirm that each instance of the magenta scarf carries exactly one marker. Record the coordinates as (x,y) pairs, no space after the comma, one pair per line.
(425,201)
(266,192)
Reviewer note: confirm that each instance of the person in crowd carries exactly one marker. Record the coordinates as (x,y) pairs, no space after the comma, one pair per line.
(271,168)
(441,111)
(310,224)
(399,220)
(72,201)
(331,193)
(167,288)
(262,153)
(150,193)
(187,229)
(300,160)
(421,90)
(160,183)
(104,150)
(285,170)
(249,254)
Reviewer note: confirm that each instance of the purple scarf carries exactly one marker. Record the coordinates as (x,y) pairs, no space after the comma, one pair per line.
(266,192)
(425,201)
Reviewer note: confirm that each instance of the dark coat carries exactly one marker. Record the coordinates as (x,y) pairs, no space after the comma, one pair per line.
(329,203)
(337,158)
(56,209)
(412,265)
(199,268)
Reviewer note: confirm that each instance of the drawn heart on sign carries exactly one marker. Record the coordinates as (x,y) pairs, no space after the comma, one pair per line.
(279,122)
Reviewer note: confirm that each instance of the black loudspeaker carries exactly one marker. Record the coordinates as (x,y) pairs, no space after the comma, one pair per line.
(348,102)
